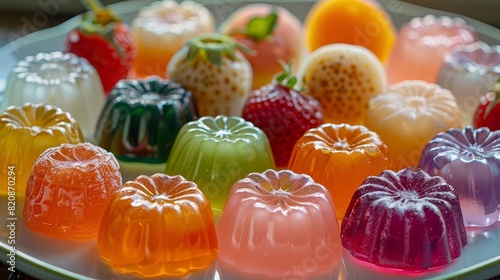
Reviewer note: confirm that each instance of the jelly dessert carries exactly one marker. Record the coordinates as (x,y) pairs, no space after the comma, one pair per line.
(105,41)
(407,220)
(488,111)
(274,35)
(25,133)
(283,113)
(469,72)
(355,22)
(158,225)
(409,115)
(275,220)
(422,43)
(161,29)
(142,117)
(68,190)
(469,160)
(343,78)
(62,80)
(215,152)
(213,68)
(340,157)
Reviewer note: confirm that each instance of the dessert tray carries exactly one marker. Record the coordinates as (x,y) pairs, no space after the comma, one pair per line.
(48,258)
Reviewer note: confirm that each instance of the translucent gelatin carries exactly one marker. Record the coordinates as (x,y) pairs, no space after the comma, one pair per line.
(422,43)
(142,117)
(25,133)
(215,152)
(62,80)
(469,72)
(406,220)
(343,78)
(158,225)
(282,45)
(68,190)
(357,22)
(161,29)
(273,222)
(340,157)
(469,160)
(409,115)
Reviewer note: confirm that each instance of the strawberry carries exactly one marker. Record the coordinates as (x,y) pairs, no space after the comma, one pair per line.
(343,78)
(215,71)
(105,41)
(283,114)
(488,112)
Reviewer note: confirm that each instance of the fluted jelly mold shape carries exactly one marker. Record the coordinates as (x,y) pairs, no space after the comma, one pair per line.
(340,157)
(407,220)
(158,225)
(68,190)
(62,80)
(275,220)
(25,133)
(469,72)
(468,159)
(215,152)
(142,117)
(421,45)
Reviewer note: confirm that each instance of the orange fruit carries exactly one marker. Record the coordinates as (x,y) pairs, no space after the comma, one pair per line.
(356,22)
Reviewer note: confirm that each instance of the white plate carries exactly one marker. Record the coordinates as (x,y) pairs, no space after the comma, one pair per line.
(48,258)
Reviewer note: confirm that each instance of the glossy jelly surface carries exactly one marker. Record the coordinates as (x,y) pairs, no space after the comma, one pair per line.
(215,152)
(161,29)
(409,115)
(469,160)
(343,78)
(273,221)
(422,43)
(340,157)
(406,220)
(158,225)
(62,80)
(142,117)
(25,133)
(68,190)
(469,72)
(357,22)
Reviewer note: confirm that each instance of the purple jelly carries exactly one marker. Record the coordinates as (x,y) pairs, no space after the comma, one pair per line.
(407,220)
(469,160)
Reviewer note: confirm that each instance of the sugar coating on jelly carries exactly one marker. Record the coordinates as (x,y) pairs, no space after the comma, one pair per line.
(407,220)
(158,225)
(274,220)
(469,160)
(68,190)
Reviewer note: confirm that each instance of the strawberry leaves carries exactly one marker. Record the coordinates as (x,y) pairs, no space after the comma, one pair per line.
(259,28)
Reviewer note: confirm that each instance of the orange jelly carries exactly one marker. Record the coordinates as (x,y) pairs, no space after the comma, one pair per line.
(68,190)
(356,22)
(158,226)
(340,157)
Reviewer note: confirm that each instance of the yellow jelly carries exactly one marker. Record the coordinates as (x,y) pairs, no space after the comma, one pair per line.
(26,132)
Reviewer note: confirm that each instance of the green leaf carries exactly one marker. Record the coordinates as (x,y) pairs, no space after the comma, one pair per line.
(259,28)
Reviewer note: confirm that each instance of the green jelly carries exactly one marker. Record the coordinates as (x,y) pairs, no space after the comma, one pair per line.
(215,152)
(141,119)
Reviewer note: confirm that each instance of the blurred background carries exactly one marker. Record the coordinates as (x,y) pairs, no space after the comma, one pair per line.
(21,17)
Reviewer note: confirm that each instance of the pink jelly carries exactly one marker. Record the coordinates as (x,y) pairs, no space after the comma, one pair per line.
(421,45)
(275,225)
(469,160)
(406,220)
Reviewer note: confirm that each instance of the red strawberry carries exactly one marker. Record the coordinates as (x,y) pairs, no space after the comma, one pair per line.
(105,41)
(283,114)
(488,112)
